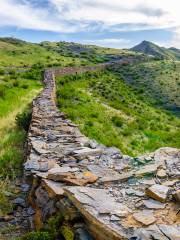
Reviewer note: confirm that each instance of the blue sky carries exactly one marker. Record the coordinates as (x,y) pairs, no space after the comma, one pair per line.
(115,23)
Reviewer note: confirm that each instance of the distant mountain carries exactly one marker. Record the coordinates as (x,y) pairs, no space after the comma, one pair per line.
(152,49)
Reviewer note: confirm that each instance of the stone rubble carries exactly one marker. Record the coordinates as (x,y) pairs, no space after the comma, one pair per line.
(115,194)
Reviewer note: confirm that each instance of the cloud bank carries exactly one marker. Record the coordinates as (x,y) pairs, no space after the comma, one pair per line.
(71,16)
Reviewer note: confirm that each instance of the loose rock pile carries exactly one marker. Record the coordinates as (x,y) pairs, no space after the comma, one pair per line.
(117,196)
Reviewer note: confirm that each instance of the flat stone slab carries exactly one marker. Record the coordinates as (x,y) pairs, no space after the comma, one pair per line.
(152,204)
(86,152)
(108,175)
(146,217)
(159,232)
(53,188)
(148,169)
(70,176)
(96,205)
(39,146)
(158,192)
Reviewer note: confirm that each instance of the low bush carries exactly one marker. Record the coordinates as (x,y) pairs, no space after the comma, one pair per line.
(37,236)
(23,119)
(118,122)
(2,71)
(2,91)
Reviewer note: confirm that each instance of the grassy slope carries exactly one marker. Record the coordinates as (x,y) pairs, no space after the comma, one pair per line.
(157,51)
(15,95)
(14,52)
(27,54)
(159,81)
(112,112)
(88,53)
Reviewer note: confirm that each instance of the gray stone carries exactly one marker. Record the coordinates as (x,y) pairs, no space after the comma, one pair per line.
(171,232)
(176,195)
(25,187)
(152,204)
(148,169)
(112,151)
(19,202)
(39,146)
(158,192)
(96,198)
(146,217)
(161,173)
(30,211)
(135,192)
(53,188)
(114,218)
(149,182)
(149,233)
(86,152)
(82,234)
(105,174)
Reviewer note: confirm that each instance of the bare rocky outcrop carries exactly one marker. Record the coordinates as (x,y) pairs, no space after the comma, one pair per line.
(115,196)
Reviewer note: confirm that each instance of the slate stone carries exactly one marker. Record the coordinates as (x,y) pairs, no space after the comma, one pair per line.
(171,232)
(148,169)
(82,234)
(145,217)
(152,204)
(53,188)
(19,202)
(161,173)
(158,192)
(176,195)
(149,233)
(86,152)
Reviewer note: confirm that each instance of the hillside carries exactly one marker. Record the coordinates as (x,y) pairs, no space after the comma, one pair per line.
(152,49)
(157,81)
(111,111)
(18,53)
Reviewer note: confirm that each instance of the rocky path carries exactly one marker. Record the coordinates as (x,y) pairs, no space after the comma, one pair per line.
(98,189)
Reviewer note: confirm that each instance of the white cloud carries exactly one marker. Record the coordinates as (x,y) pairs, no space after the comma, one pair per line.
(89,15)
(23,15)
(155,13)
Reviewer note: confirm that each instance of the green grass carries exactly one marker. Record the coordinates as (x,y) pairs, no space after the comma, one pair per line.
(17,93)
(159,81)
(18,53)
(107,109)
(88,54)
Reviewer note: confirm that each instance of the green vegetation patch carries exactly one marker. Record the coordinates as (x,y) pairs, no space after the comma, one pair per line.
(17,92)
(111,111)
(159,81)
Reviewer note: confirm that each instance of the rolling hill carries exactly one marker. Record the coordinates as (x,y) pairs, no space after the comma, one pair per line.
(154,50)
(18,53)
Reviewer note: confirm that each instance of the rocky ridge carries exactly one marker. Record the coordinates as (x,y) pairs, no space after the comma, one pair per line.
(110,195)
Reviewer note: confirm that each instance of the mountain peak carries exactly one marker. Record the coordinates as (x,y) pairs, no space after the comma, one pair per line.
(152,49)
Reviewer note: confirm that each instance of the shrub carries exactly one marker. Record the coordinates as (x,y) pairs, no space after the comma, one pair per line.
(23,119)
(118,122)
(2,91)
(37,236)
(2,71)
(25,86)
(35,72)
(15,84)
(89,123)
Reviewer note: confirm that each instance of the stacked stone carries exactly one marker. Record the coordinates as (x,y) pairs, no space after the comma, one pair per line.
(118,197)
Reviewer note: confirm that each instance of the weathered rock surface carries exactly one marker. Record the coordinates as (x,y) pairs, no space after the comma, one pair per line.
(146,217)
(158,192)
